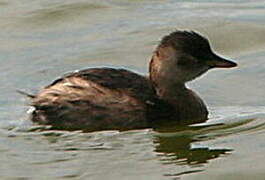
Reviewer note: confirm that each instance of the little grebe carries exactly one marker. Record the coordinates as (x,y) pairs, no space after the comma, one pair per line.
(107,99)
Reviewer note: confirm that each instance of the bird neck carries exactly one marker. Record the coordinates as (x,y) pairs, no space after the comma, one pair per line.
(171,89)
(164,80)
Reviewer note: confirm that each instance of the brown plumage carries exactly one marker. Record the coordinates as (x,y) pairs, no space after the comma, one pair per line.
(106,98)
(98,98)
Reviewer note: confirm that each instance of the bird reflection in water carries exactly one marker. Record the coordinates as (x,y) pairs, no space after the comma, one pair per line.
(181,150)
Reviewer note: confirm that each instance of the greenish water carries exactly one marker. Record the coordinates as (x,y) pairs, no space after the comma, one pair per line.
(40,40)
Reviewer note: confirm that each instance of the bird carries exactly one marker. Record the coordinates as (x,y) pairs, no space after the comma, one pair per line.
(96,99)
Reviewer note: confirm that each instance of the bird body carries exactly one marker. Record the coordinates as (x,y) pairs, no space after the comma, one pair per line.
(106,98)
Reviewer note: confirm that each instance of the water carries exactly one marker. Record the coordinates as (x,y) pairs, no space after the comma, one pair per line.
(41,40)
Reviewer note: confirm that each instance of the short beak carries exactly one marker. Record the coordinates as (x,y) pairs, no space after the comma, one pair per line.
(216,61)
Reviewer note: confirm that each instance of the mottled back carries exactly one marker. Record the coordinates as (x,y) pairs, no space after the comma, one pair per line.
(95,99)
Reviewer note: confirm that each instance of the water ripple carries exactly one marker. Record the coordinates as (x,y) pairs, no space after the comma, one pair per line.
(61,13)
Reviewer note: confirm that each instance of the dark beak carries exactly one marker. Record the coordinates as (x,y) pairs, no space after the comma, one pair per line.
(215,61)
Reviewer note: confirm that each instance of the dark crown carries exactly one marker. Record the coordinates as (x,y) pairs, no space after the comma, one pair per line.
(188,41)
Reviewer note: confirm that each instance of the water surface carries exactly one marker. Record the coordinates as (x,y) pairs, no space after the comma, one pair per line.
(41,40)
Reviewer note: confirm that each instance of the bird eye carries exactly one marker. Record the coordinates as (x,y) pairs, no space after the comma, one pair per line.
(187,61)
(182,62)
